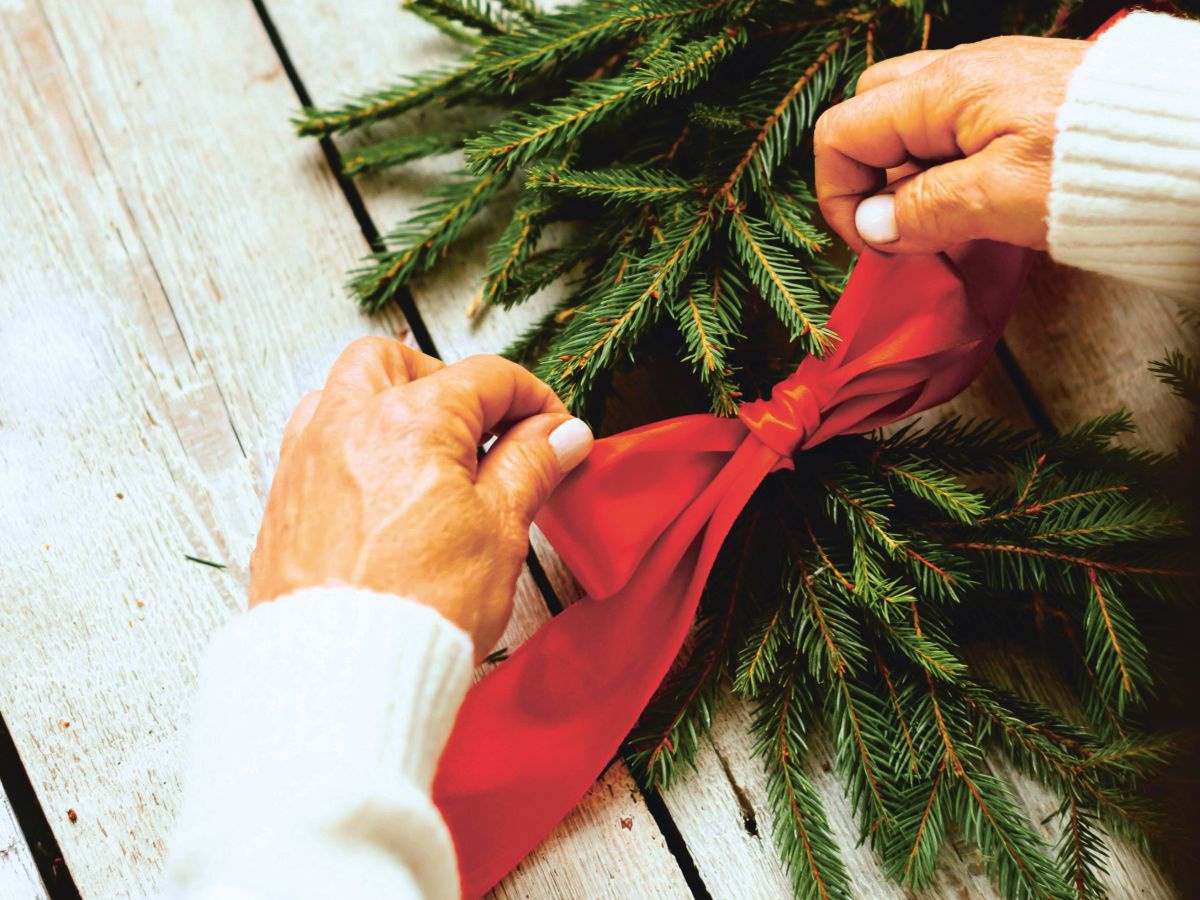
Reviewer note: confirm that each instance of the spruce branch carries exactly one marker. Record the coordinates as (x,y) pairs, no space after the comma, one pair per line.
(939,487)
(445,25)
(590,342)
(408,94)
(708,326)
(1081,852)
(1178,372)
(510,253)
(1014,852)
(417,244)
(548,127)
(912,844)
(1115,649)
(789,209)
(676,71)
(859,718)
(786,286)
(524,8)
(476,14)
(615,185)
(541,270)
(718,117)
(801,827)
(794,111)
(400,150)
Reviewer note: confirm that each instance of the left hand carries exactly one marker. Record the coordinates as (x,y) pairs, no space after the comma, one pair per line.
(380,485)
(962,140)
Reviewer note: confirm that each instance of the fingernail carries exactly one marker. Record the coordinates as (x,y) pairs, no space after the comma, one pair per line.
(875,219)
(571,441)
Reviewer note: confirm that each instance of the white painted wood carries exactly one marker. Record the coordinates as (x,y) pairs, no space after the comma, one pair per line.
(170,284)
(19,878)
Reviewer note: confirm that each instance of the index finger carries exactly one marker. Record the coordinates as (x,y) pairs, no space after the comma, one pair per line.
(492,392)
(857,141)
(893,69)
(370,365)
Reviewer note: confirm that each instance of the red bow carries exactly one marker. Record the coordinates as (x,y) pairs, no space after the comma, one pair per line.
(641,521)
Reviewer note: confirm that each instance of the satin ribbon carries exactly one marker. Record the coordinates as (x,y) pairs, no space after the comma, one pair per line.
(640,522)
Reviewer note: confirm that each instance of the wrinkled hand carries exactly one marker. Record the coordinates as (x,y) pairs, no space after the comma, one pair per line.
(379,485)
(963,139)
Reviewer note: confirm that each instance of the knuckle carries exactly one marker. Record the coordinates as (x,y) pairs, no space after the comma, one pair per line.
(370,344)
(535,469)
(827,131)
(397,413)
(946,208)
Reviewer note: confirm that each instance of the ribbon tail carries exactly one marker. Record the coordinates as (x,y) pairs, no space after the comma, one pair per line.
(534,735)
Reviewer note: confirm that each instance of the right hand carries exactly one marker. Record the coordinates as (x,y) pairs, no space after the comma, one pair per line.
(960,142)
(379,485)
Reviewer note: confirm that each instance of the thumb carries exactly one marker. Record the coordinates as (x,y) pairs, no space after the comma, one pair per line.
(526,464)
(934,209)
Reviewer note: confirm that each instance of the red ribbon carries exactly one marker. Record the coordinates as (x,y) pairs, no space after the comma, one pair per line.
(641,521)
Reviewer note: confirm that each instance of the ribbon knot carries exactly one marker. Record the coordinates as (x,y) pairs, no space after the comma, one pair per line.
(786,420)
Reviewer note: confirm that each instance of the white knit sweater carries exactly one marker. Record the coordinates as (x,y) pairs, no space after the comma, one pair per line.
(321,716)
(1126,178)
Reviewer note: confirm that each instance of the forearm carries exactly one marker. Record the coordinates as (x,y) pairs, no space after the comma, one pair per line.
(1126,177)
(316,733)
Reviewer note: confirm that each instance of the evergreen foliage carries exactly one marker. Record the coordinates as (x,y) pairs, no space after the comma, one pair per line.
(671,135)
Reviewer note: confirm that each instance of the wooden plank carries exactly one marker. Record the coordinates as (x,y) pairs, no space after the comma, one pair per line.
(19,878)
(610,844)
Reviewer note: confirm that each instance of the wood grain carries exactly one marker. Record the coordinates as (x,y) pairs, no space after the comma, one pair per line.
(19,878)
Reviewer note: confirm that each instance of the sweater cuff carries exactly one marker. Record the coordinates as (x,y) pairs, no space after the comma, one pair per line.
(1125,196)
(322,715)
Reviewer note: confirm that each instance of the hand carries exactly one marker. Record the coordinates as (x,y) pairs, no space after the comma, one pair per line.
(963,139)
(379,485)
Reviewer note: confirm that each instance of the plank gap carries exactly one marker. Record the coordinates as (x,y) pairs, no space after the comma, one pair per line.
(333,158)
(1025,392)
(35,827)
(542,580)
(676,843)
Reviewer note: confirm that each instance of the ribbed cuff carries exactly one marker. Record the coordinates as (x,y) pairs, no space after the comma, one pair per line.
(1126,179)
(320,717)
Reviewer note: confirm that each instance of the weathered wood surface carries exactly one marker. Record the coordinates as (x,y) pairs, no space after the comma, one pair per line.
(170,285)
(19,878)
